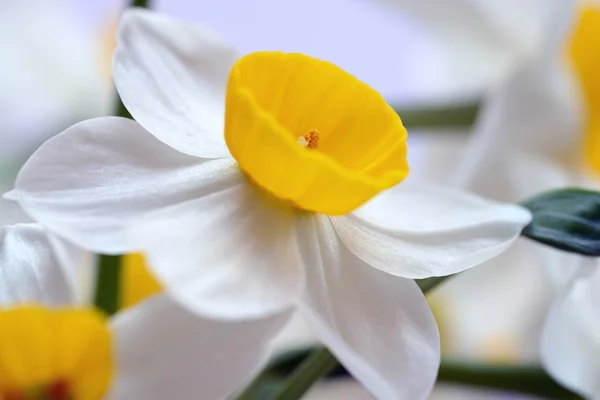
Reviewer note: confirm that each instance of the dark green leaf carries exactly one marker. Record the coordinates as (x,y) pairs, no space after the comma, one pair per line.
(567,219)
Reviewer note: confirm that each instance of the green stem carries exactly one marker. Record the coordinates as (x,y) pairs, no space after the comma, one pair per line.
(258,387)
(313,367)
(525,379)
(320,363)
(140,3)
(522,379)
(462,116)
(107,296)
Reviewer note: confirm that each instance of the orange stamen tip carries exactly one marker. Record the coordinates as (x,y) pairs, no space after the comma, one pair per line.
(310,139)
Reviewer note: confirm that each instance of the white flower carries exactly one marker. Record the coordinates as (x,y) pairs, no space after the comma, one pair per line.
(536,130)
(235,245)
(539,131)
(571,339)
(161,351)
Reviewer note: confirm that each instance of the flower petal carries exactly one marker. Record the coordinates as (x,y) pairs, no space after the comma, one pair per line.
(165,352)
(11,213)
(79,265)
(228,255)
(570,341)
(538,110)
(419,231)
(89,181)
(29,271)
(172,77)
(379,326)
(480,320)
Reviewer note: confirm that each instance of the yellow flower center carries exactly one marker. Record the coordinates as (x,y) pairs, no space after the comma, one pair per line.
(584,52)
(310,133)
(54,354)
(137,281)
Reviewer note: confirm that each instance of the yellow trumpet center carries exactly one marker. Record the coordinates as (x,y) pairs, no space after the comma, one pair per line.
(584,52)
(279,106)
(54,354)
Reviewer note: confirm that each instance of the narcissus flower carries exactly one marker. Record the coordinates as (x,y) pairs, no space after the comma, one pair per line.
(571,337)
(256,186)
(538,131)
(52,346)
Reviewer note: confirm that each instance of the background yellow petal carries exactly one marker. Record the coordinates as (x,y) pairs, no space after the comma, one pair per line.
(137,282)
(39,347)
(584,51)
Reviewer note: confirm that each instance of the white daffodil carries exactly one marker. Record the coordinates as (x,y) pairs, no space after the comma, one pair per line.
(571,338)
(53,347)
(256,186)
(476,42)
(540,131)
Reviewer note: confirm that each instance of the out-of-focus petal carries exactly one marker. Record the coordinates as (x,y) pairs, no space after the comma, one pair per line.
(571,339)
(379,326)
(419,231)
(481,320)
(165,352)
(79,266)
(537,111)
(88,182)
(29,270)
(172,77)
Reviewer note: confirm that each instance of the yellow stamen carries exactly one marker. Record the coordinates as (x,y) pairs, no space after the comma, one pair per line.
(271,96)
(310,139)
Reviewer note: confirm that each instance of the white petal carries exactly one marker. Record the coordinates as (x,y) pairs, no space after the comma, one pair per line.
(419,231)
(165,352)
(172,77)
(79,265)
(480,320)
(538,111)
(89,181)
(379,326)
(10,212)
(228,255)
(29,271)
(571,338)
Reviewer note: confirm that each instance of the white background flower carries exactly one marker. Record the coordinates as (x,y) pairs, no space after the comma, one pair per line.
(166,185)
(532,136)
(162,351)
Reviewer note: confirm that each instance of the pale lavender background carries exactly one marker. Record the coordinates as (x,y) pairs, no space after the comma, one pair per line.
(389,52)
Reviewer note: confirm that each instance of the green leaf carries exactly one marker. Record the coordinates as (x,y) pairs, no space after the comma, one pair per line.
(567,219)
